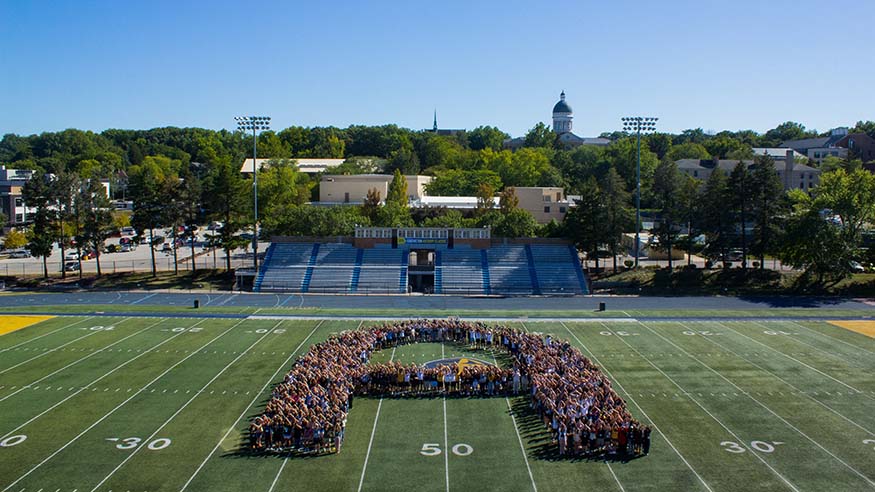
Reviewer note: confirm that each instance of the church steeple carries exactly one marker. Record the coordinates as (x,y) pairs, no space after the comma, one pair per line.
(435,121)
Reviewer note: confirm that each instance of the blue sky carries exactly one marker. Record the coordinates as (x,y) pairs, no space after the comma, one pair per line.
(739,64)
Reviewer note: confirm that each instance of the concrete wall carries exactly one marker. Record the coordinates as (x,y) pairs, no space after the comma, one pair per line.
(544,203)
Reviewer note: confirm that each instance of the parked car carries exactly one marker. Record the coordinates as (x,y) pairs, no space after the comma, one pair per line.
(127,247)
(856,267)
(19,253)
(71,266)
(128,231)
(71,256)
(111,248)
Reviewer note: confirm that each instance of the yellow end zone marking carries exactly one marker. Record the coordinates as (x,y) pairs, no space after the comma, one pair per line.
(9,324)
(862,327)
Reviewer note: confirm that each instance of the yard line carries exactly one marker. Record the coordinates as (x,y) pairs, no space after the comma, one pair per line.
(277,477)
(144,298)
(782,419)
(46,334)
(183,407)
(95,424)
(47,352)
(373,431)
(24,387)
(89,385)
(629,395)
(519,438)
(796,360)
(834,339)
(446,441)
(690,396)
(245,410)
(711,339)
(228,299)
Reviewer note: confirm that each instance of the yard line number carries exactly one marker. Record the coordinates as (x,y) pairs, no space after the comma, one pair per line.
(434,449)
(99,328)
(618,333)
(761,446)
(778,332)
(704,333)
(133,442)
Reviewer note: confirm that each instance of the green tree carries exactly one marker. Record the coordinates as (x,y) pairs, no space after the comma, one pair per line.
(188,202)
(767,195)
(150,186)
(456,182)
(280,185)
(850,196)
(396,195)
(508,201)
(739,188)
(485,199)
(404,160)
(486,137)
(584,223)
(96,218)
(688,150)
(371,204)
(659,144)
(227,199)
(619,216)
(811,242)
(448,218)
(63,187)
(516,223)
(717,217)
(666,192)
(690,208)
(540,136)
(37,193)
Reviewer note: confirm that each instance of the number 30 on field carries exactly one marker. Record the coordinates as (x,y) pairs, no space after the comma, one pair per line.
(433,449)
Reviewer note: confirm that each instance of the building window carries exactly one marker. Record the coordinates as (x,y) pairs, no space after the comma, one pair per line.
(547,210)
(19,218)
(561,210)
(802,185)
(547,198)
(18,202)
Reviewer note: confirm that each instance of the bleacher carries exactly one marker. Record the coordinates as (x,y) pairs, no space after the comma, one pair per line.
(284,267)
(509,271)
(380,271)
(332,269)
(558,269)
(461,271)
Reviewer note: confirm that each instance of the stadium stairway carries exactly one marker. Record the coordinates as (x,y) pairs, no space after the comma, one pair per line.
(356,270)
(402,277)
(256,287)
(484,266)
(536,288)
(438,273)
(305,283)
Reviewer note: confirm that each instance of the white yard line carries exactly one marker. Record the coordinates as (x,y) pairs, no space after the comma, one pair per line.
(184,406)
(832,339)
(779,378)
(92,383)
(120,405)
(373,432)
(47,352)
(277,477)
(251,403)
(143,298)
(92,354)
(616,381)
(796,360)
(519,438)
(761,404)
(46,334)
(446,441)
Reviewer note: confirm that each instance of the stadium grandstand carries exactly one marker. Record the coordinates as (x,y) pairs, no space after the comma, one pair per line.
(385,260)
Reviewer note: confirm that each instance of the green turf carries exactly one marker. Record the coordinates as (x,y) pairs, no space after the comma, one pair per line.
(704,384)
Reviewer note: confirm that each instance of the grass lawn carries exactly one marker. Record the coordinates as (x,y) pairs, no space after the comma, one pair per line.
(137,403)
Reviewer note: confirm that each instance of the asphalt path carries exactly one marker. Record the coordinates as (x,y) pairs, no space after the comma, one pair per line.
(435,302)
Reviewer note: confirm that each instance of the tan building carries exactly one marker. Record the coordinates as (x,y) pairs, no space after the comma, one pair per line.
(544,203)
(792,175)
(354,188)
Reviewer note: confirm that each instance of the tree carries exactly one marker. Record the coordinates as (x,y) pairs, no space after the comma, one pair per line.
(96,218)
(516,223)
(396,195)
(280,185)
(486,137)
(227,199)
(37,194)
(485,198)
(867,127)
(717,217)
(150,186)
(688,150)
(456,182)
(540,136)
(583,223)
(404,160)
(850,196)
(666,192)
(371,204)
(14,239)
(508,201)
(659,144)
(619,216)
(767,194)
(450,218)
(188,202)
(739,201)
(789,130)
(63,188)
(690,206)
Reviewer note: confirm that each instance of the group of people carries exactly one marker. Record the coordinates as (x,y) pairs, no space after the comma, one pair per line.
(308,409)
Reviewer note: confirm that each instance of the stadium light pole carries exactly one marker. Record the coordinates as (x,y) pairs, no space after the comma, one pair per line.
(254,123)
(638,124)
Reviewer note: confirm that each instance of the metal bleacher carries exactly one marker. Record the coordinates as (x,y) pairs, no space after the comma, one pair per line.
(380,271)
(509,270)
(285,267)
(461,271)
(333,268)
(558,269)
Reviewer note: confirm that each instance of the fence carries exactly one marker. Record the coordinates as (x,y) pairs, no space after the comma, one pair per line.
(34,267)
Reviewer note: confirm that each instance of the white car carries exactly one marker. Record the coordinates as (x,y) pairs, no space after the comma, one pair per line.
(856,267)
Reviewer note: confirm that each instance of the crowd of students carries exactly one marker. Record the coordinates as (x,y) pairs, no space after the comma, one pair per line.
(307,411)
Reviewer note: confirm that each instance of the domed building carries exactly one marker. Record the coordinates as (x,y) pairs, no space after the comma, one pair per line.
(563,118)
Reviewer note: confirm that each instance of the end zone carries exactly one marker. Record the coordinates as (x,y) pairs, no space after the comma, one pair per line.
(862,327)
(10,323)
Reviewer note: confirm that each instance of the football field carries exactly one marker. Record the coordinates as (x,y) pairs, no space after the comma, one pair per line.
(152,403)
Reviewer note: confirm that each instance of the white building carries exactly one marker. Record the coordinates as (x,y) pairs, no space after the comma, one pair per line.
(563,124)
